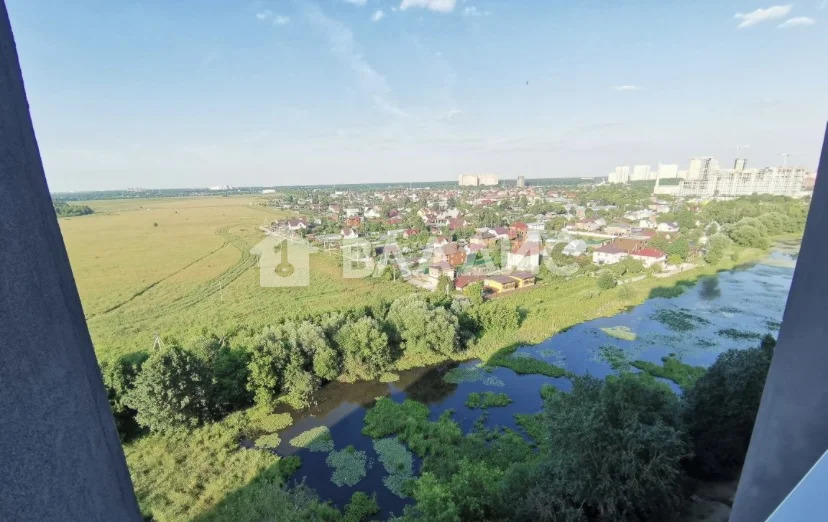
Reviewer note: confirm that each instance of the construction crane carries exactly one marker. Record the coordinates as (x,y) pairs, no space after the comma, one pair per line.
(785,155)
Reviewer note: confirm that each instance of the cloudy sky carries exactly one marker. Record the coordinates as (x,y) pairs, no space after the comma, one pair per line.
(155,93)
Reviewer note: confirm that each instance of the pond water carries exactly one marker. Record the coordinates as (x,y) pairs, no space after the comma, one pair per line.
(714,314)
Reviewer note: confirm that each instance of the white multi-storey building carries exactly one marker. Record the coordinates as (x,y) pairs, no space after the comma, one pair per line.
(621,175)
(780,181)
(668,171)
(700,168)
(640,173)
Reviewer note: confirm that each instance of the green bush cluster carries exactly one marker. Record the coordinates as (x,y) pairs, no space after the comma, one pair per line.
(183,387)
(525,365)
(487,400)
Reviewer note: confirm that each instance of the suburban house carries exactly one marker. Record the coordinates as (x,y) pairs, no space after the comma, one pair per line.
(485,238)
(371,213)
(439,269)
(523,279)
(465,280)
(502,233)
(518,230)
(351,212)
(608,254)
(353,221)
(524,256)
(617,229)
(410,232)
(295,225)
(590,224)
(455,223)
(440,241)
(649,256)
(500,283)
(668,227)
(348,233)
(450,254)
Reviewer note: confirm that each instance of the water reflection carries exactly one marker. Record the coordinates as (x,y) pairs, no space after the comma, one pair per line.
(709,289)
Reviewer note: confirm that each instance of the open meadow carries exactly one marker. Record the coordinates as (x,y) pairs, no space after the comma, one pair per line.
(181,266)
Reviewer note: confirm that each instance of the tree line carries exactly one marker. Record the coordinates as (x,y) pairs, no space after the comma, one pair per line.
(64,209)
(184,385)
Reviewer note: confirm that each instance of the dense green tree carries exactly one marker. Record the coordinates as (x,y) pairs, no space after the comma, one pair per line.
(64,209)
(421,327)
(474,292)
(748,236)
(228,372)
(722,406)
(679,248)
(366,350)
(171,391)
(269,358)
(614,447)
(496,315)
(606,280)
(119,379)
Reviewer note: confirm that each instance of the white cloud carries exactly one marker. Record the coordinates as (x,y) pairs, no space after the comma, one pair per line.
(449,114)
(281,20)
(441,6)
(798,21)
(345,48)
(762,15)
(622,88)
(263,15)
(474,11)
(377,16)
(356,2)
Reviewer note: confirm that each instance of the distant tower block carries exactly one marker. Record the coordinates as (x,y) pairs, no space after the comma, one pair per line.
(740,164)
(467,181)
(521,181)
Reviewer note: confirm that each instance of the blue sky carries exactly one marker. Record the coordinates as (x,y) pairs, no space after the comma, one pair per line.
(156,93)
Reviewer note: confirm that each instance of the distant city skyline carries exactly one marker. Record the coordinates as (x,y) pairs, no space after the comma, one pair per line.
(268,93)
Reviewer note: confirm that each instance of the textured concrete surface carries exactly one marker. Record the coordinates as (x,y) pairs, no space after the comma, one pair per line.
(60,458)
(791,430)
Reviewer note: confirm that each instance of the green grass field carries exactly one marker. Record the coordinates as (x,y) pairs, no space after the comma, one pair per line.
(192,271)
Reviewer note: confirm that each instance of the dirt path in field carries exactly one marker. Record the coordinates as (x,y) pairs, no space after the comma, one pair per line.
(149,287)
(206,289)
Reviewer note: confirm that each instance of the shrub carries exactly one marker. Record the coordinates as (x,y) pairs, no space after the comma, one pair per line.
(171,391)
(423,328)
(388,417)
(606,281)
(673,369)
(722,407)
(487,400)
(614,450)
(365,346)
(474,292)
(360,507)
(119,379)
(525,365)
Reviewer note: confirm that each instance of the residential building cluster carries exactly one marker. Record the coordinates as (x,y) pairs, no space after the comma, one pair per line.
(427,235)
(704,178)
(484,180)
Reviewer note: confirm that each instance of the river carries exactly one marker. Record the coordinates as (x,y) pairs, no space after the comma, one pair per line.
(709,317)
